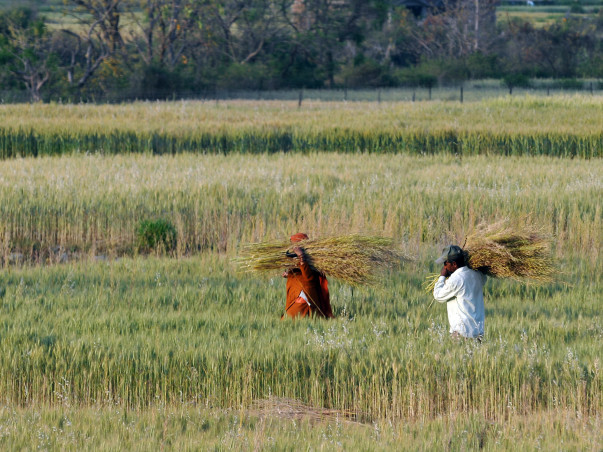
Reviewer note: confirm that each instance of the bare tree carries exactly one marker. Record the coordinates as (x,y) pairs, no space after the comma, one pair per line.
(99,39)
(243,26)
(457,29)
(164,28)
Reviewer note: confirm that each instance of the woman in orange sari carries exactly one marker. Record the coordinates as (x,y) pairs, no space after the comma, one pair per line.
(307,289)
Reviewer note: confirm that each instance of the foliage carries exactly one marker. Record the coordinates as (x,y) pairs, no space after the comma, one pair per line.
(568,83)
(562,50)
(367,72)
(576,8)
(480,65)
(26,51)
(123,50)
(422,75)
(156,234)
(243,76)
(515,80)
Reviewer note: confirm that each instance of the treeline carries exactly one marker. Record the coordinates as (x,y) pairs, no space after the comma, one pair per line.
(121,49)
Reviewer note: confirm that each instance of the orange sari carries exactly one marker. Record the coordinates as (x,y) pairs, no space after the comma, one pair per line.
(316,288)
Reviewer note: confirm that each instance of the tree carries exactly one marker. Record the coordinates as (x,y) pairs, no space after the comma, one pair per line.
(558,50)
(458,29)
(97,38)
(240,28)
(331,32)
(165,28)
(27,48)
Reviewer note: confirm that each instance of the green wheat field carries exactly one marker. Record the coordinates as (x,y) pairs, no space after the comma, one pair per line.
(108,345)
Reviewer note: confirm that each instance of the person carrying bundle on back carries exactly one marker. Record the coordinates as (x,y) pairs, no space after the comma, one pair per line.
(463,293)
(307,289)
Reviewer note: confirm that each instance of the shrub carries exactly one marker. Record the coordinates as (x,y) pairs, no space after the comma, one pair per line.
(576,8)
(569,83)
(515,80)
(417,77)
(243,76)
(367,72)
(156,234)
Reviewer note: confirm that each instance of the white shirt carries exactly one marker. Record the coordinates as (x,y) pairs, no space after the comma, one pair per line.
(463,294)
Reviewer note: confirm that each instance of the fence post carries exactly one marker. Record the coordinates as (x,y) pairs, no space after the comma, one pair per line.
(429,92)
(591,88)
(548,90)
(379,96)
(301,97)
(461,94)
(413,96)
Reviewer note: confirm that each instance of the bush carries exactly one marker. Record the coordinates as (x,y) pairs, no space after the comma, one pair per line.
(569,83)
(249,76)
(482,66)
(515,80)
(417,77)
(156,234)
(576,8)
(367,73)
(429,73)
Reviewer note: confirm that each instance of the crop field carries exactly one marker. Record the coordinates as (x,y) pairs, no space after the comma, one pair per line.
(542,16)
(556,126)
(105,345)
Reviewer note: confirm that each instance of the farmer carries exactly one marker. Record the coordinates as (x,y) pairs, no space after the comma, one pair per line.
(463,293)
(307,289)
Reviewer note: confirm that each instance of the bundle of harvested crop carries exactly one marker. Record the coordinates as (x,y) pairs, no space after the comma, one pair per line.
(501,250)
(355,259)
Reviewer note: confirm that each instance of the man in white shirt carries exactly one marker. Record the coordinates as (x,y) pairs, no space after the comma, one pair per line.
(463,293)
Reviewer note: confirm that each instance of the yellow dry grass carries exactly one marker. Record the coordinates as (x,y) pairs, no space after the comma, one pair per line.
(285,408)
(501,250)
(521,253)
(355,259)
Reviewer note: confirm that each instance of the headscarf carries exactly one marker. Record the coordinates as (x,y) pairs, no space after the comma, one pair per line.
(299,237)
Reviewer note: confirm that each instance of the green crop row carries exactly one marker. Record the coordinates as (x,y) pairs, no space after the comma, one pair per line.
(29,143)
(558,126)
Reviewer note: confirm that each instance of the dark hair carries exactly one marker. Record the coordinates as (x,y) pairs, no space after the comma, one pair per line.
(459,259)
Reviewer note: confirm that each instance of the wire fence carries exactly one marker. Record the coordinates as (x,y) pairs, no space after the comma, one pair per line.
(467,92)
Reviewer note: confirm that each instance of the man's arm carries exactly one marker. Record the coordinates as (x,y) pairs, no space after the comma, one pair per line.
(444,290)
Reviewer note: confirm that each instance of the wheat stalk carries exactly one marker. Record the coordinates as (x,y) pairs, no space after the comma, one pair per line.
(355,259)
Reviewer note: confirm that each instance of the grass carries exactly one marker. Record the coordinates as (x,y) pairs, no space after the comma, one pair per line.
(217,203)
(199,428)
(148,337)
(112,350)
(540,19)
(556,126)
